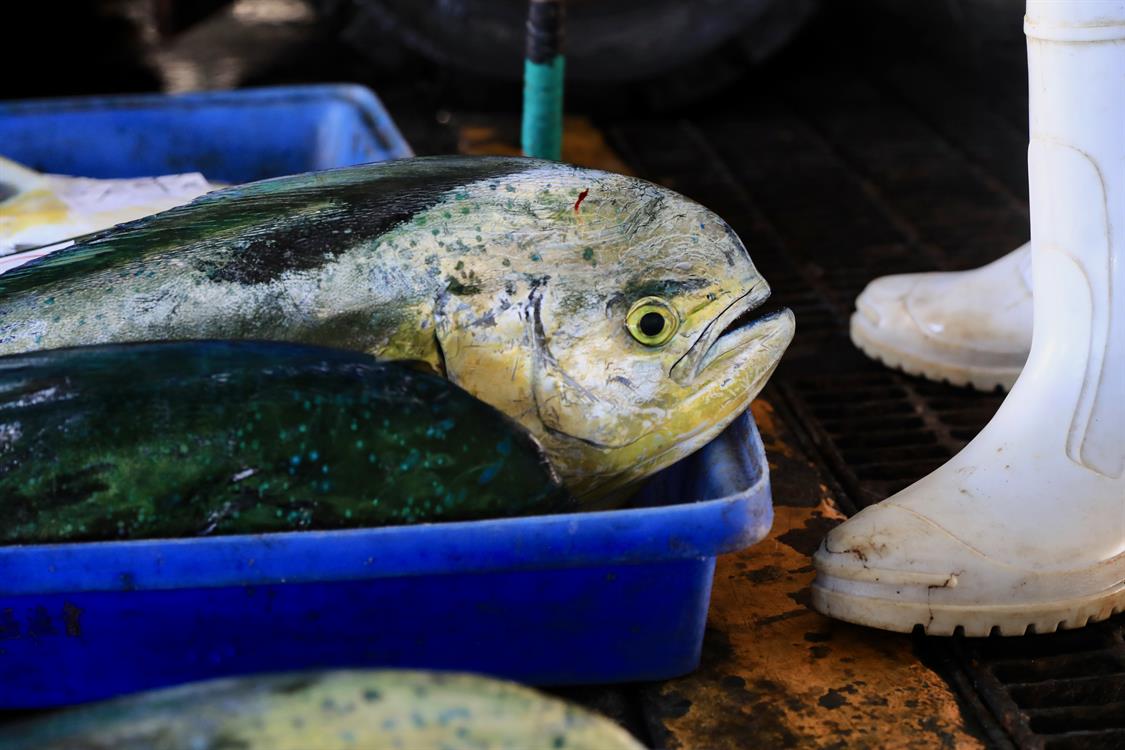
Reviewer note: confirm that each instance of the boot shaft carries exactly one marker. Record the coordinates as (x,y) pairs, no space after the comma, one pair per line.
(1076,75)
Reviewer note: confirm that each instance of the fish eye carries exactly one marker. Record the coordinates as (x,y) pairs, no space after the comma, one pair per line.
(652,321)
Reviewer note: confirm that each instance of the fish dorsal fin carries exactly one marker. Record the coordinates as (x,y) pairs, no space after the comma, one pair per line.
(15,260)
(361,202)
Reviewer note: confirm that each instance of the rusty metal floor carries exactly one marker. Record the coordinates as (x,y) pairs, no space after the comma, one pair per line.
(836,166)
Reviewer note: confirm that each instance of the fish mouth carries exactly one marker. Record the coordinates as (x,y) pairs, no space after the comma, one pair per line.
(735,329)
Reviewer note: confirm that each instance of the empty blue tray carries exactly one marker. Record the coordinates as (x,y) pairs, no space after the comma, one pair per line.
(229,136)
(582,598)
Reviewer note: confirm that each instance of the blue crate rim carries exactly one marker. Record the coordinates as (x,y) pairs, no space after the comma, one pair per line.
(537,542)
(365,100)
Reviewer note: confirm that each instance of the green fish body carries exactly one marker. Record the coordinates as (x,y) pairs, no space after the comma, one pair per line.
(185,438)
(344,710)
(597,310)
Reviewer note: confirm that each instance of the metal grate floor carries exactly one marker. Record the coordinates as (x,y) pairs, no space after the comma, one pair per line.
(1064,691)
(839,168)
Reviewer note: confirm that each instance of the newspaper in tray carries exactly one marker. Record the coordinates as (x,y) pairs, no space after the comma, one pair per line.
(39,211)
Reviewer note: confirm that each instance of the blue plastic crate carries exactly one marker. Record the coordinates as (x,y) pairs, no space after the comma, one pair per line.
(564,599)
(581,598)
(229,136)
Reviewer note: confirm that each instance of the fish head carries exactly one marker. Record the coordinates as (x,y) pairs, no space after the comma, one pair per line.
(629,323)
(650,355)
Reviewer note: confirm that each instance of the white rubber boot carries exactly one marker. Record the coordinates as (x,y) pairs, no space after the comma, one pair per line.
(1025,528)
(968,327)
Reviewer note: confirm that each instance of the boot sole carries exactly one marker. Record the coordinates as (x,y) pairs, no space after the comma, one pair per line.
(980,378)
(976,621)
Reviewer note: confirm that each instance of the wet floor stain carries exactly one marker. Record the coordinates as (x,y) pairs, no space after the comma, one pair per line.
(777,674)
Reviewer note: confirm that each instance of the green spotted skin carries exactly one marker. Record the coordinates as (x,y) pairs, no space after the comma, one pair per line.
(514,278)
(343,710)
(179,439)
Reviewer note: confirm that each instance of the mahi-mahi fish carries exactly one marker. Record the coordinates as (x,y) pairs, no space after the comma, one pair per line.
(601,311)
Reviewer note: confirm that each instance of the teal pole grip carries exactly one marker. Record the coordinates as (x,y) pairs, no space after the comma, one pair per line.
(541,134)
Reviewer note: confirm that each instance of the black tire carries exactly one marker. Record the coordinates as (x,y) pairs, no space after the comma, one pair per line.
(607,42)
